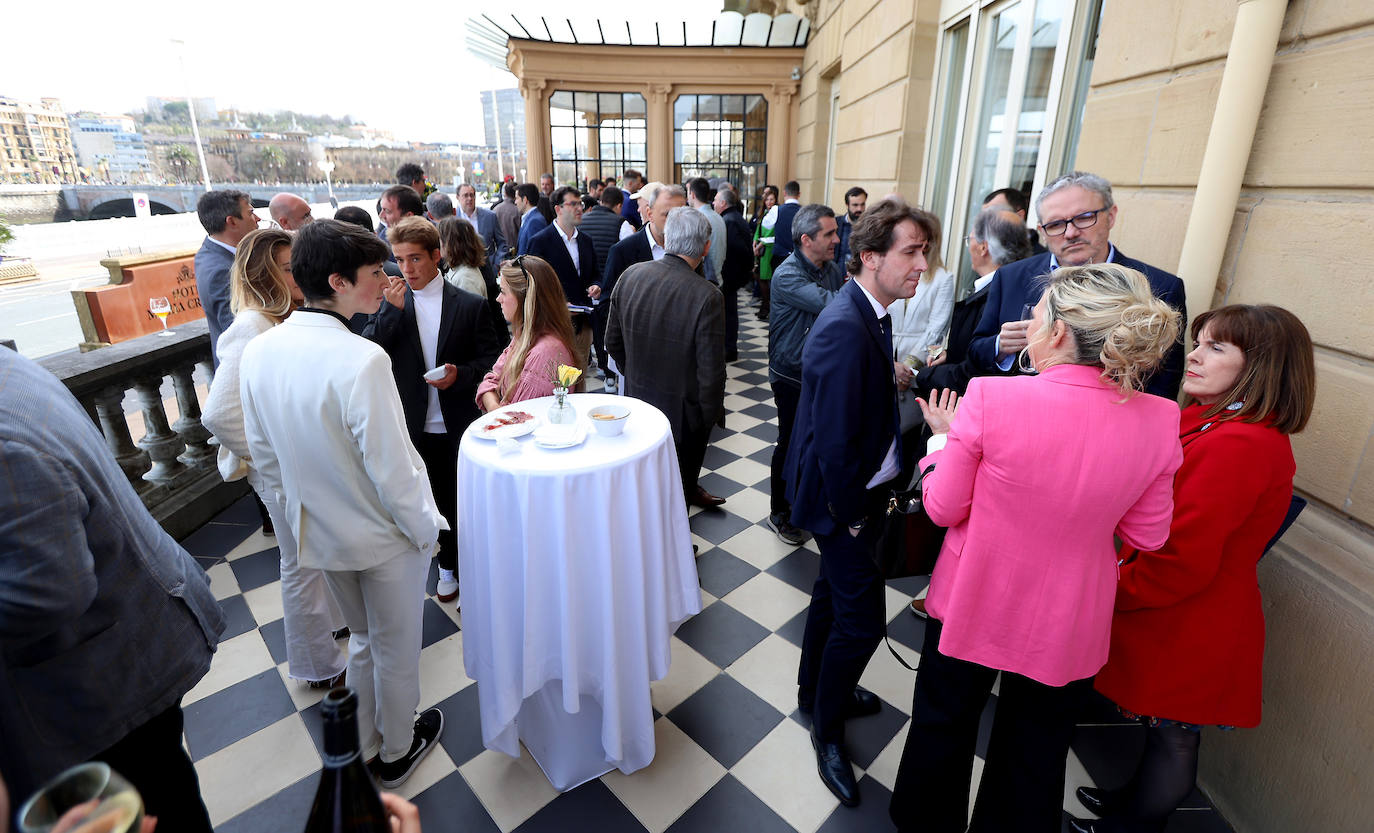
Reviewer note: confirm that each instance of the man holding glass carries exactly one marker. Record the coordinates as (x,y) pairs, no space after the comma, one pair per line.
(1076,213)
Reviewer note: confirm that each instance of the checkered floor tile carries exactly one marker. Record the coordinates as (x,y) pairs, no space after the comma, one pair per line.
(732,751)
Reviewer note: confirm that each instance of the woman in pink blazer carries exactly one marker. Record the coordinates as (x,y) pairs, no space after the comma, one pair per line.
(1033,478)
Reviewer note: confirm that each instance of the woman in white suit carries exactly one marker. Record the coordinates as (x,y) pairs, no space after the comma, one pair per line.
(261,294)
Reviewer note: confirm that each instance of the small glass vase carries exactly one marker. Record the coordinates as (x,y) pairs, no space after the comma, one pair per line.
(560,412)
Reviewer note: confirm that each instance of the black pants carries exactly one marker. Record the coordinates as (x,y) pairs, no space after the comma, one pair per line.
(691,451)
(441,462)
(786,395)
(154,761)
(843,627)
(1022,789)
(731,319)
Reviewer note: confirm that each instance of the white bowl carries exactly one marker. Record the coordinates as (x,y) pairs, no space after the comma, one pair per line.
(609,420)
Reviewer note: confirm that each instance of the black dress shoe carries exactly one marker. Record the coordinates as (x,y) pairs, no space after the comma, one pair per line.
(1097,801)
(731,356)
(704,499)
(1078,825)
(833,766)
(862,704)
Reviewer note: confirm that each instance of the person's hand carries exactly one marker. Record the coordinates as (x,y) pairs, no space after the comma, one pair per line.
(404,816)
(758,248)
(937,359)
(395,292)
(904,375)
(1013,338)
(450,376)
(594,292)
(939,411)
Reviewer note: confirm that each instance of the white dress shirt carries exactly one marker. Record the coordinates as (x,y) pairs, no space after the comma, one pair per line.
(891,466)
(429,308)
(571,242)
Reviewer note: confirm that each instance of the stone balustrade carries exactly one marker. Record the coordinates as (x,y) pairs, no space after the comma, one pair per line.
(172,466)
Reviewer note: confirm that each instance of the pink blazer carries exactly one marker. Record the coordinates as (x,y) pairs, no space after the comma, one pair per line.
(1037,474)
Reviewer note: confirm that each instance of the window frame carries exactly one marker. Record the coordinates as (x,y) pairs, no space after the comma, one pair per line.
(593,141)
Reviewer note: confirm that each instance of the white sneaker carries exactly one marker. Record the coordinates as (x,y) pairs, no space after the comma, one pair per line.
(447,591)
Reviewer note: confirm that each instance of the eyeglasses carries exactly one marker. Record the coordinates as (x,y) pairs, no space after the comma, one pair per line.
(1087,219)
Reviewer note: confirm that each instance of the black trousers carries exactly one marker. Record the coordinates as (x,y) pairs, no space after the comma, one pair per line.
(843,627)
(785,398)
(691,452)
(731,319)
(441,462)
(1022,789)
(154,761)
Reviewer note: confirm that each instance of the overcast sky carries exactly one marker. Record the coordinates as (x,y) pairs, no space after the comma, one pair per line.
(397,65)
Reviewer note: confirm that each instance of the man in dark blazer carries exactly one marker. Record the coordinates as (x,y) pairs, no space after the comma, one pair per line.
(531,221)
(997,238)
(666,332)
(647,243)
(1076,214)
(782,222)
(573,256)
(845,449)
(488,228)
(737,264)
(227,217)
(426,324)
(507,218)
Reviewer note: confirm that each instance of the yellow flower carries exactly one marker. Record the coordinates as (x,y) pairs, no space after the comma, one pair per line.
(568,376)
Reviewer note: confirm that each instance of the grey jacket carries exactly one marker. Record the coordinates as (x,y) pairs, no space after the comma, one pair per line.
(666,332)
(105,621)
(800,292)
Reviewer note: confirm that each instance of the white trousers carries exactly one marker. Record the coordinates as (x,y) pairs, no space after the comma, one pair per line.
(384,607)
(309,613)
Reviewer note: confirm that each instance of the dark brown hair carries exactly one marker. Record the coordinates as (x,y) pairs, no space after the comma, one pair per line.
(460,245)
(1279,380)
(876,229)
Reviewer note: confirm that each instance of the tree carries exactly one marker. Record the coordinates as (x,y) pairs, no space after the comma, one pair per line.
(177,111)
(182,161)
(271,159)
(6,236)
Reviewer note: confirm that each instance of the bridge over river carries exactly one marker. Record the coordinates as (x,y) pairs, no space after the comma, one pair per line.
(54,203)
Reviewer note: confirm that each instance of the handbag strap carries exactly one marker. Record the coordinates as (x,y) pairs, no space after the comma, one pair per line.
(896,655)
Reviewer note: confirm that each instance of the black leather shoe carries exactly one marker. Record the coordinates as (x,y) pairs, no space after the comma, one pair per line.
(1078,825)
(833,766)
(862,704)
(704,499)
(1096,800)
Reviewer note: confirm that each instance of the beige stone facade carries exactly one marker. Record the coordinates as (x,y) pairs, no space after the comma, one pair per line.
(35,142)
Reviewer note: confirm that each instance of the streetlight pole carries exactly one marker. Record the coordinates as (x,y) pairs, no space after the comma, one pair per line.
(496,123)
(511,127)
(191,110)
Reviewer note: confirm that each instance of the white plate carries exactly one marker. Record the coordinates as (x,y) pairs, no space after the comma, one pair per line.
(561,436)
(508,431)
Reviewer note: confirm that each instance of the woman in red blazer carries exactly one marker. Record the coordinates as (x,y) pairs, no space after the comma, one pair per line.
(1250,382)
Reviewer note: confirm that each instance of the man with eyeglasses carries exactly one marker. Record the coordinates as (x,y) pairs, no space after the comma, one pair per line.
(573,257)
(1076,214)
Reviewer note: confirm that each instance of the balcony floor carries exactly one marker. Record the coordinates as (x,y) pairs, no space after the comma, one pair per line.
(733,753)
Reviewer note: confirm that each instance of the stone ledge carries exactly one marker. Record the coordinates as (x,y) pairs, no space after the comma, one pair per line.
(1335,550)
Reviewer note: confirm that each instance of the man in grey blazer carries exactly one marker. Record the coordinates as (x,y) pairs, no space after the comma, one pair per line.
(666,332)
(105,622)
(227,217)
(485,222)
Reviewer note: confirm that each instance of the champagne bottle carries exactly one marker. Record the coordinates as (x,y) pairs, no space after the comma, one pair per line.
(347,800)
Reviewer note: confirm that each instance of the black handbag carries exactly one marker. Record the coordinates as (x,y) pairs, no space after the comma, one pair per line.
(909,541)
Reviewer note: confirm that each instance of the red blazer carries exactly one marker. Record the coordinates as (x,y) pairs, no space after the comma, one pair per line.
(1188,635)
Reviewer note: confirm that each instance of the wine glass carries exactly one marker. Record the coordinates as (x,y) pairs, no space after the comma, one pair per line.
(85,799)
(162,309)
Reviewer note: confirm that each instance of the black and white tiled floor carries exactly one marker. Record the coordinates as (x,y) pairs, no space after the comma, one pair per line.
(733,753)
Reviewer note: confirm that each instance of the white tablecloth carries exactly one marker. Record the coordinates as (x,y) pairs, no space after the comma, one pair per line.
(576,567)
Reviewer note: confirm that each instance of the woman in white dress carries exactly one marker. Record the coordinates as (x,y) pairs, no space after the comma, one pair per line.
(261,294)
(921,321)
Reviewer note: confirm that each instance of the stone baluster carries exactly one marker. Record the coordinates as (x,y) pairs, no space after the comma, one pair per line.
(161,442)
(188,425)
(109,409)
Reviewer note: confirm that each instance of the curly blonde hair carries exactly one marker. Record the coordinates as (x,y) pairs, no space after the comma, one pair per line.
(1117,322)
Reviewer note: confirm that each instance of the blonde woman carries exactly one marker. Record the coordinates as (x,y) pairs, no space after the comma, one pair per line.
(1052,466)
(532,301)
(262,294)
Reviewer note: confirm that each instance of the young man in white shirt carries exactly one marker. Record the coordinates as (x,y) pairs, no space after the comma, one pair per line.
(324,425)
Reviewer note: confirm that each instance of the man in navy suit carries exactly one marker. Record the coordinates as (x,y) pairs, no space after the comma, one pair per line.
(573,257)
(1076,214)
(846,447)
(429,323)
(531,221)
(227,217)
(485,222)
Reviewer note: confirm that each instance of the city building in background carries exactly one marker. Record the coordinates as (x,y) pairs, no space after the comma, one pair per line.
(35,142)
(109,148)
(509,107)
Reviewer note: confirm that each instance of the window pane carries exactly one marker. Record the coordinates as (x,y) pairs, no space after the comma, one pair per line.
(564,172)
(992,119)
(955,53)
(585,105)
(634,104)
(562,142)
(757,113)
(682,110)
(1049,16)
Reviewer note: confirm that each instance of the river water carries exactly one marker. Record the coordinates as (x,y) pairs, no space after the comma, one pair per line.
(40,316)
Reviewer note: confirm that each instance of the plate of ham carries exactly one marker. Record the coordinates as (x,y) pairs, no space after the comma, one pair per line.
(505,423)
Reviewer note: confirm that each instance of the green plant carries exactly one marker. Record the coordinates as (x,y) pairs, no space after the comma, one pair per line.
(6,236)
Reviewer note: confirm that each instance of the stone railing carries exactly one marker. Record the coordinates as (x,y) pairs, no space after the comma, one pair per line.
(172,466)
